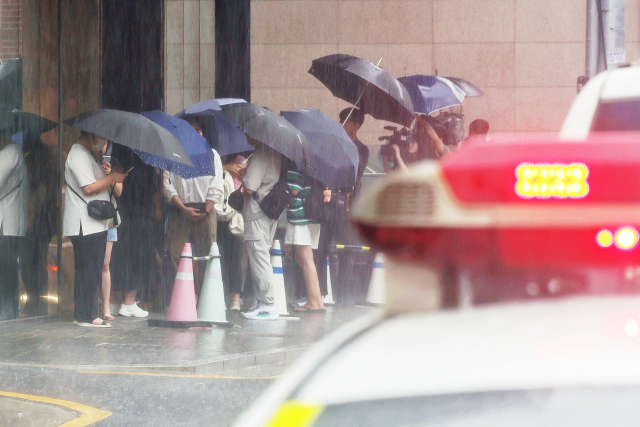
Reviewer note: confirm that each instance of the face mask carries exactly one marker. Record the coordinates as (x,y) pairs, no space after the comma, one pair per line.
(99,146)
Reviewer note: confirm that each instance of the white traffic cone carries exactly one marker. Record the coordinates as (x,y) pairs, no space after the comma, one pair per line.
(328,299)
(279,292)
(211,307)
(377,293)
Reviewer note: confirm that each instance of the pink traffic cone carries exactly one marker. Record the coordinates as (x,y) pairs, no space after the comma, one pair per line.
(182,307)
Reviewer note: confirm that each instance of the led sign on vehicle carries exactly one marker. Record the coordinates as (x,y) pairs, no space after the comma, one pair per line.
(547,180)
(625,238)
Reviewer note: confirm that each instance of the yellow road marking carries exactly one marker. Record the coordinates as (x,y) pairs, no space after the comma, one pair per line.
(149,374)
(89,415)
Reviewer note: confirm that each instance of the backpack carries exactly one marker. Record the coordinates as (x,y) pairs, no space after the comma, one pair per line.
(276,201)
(314,206)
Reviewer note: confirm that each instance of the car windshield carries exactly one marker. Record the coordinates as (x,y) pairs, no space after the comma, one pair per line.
(617,116)
(615,406)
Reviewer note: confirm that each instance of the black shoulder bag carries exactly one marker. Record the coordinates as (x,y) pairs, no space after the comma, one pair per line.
(314,205)
(99,209)
(276,201)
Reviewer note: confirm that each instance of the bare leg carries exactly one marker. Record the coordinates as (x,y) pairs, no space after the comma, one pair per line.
(130,297)
(106,283)
(304,257)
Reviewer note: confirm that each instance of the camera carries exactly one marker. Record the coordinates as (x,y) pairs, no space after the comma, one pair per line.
(448,126)
(399,137)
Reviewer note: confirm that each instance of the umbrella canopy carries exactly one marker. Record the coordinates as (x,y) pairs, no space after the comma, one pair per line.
(223,134)
(19,121)
(432,93)
(194,144)
(365,85)
(202,107)
(132,130)
(469,88)
(272,130)
(335,155)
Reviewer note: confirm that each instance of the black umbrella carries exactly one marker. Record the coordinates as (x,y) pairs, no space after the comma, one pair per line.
(469,88)
(365,85)
(132,130)
(19,121)
(334,153)
(272,130)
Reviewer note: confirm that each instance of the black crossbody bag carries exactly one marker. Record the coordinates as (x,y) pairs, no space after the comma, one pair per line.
(99,209)
(276,201)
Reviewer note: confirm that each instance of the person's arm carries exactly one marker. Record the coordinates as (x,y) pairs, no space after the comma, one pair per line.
(215,191)
(192,213)
(117,189)
(172,195)
(398,159)
(102,183)
(295,181)
(434,141)
(256,171)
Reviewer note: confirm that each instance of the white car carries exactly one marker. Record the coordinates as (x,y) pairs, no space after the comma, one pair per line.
(609,102)
(569,360)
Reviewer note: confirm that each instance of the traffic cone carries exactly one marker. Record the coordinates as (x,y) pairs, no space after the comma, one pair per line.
(328,299)
(182,307)
(211,305)
(377,288)
(279,292)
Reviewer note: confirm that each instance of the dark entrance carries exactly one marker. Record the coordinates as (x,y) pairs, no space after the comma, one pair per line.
(132,76)
(233,55)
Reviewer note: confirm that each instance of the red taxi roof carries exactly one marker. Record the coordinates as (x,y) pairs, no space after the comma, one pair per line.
(607,169)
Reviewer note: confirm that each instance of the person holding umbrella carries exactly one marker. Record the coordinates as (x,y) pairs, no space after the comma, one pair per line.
(263,172)
(86,182)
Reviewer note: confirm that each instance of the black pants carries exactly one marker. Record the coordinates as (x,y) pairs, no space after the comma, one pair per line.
(351,278)
(89,254)
(230,247)
(9,282)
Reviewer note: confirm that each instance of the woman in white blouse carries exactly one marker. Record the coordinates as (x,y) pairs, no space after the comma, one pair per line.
(86,181)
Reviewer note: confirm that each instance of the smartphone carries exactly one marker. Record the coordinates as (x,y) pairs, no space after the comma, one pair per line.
(106,158)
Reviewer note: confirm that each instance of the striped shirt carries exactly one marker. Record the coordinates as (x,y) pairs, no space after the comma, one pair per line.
(302,185)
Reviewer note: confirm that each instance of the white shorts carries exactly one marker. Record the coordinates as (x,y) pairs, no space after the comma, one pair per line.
(302,235)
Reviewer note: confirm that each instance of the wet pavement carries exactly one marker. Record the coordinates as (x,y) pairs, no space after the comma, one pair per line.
(132,345)
(127,399)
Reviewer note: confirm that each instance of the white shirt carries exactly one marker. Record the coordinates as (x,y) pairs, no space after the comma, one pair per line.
(263,172)
(13,206)
(81,169)
(198,189)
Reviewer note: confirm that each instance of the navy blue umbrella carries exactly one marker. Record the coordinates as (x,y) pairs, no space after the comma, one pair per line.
(432,93)
(335,155)
(223,134)
(194,144)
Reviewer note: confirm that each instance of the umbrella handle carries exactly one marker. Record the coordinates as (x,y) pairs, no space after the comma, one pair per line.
(359,98)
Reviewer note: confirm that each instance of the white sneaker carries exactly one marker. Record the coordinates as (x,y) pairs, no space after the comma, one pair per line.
(262,312)
(132,310)
(235,305)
